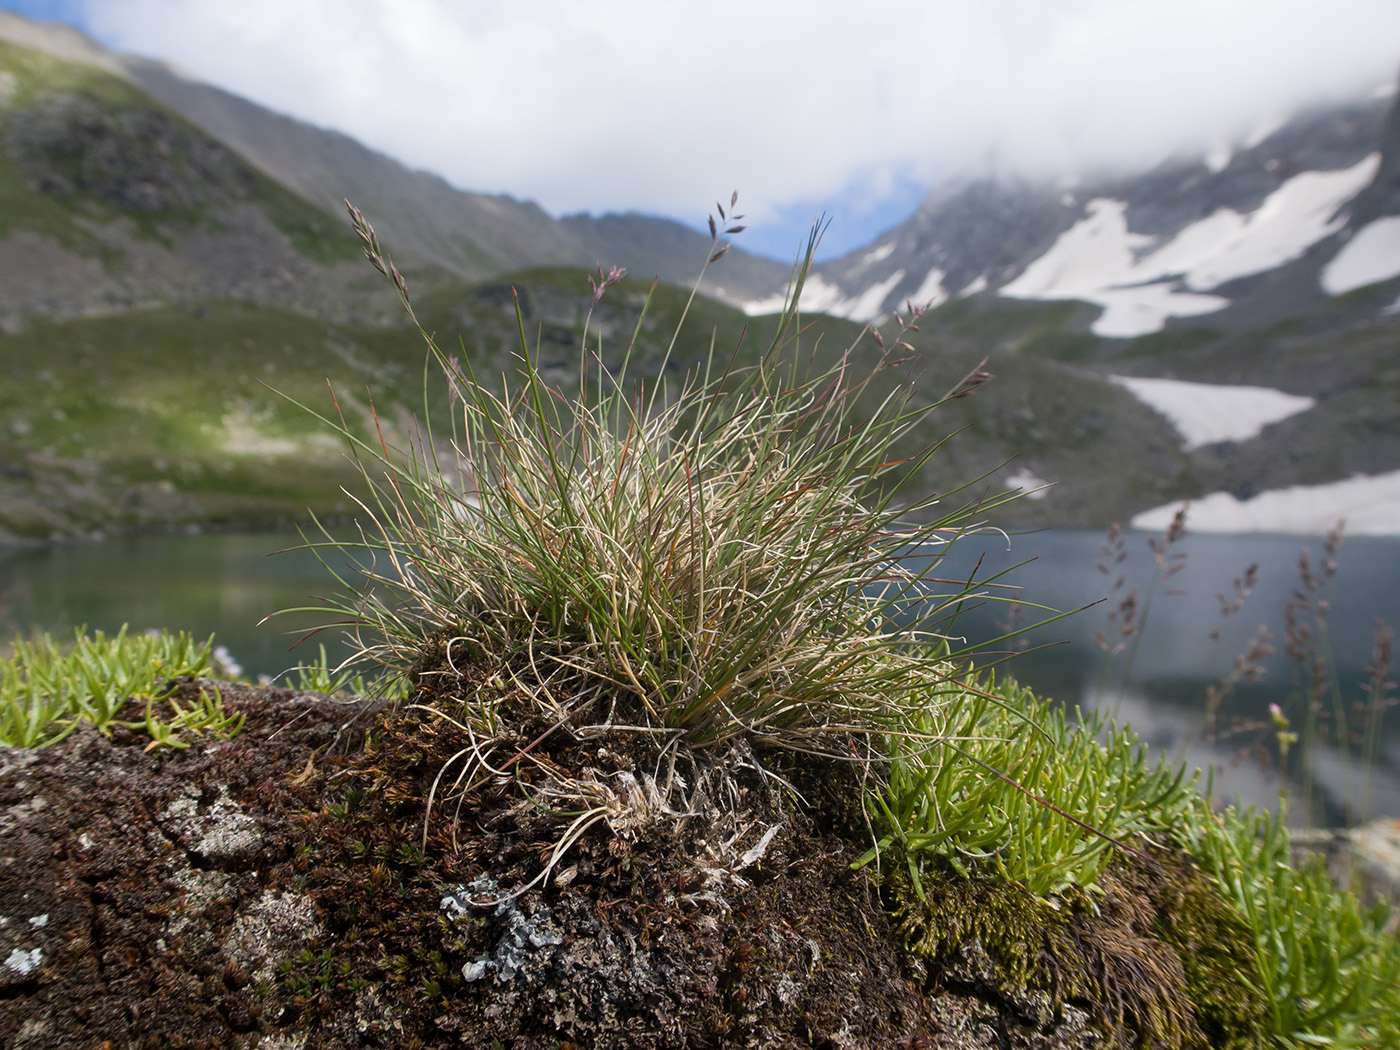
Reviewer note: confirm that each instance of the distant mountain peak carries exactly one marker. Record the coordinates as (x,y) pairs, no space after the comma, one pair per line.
(1191,237)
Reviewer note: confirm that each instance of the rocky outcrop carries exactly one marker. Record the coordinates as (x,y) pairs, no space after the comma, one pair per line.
(275,891)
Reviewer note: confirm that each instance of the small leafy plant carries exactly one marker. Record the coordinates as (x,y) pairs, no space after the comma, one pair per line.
(319,676)
(47,691)
(1016,790)
(1329,968)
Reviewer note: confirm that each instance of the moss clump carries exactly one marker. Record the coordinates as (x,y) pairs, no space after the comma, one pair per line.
(1157,957)
(1215,950)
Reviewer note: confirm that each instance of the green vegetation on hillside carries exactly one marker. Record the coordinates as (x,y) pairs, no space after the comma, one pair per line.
(709,571)
(47,691)
(79,146)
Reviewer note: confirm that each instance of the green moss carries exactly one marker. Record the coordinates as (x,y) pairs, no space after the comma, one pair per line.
(1214,946)
(1157,958)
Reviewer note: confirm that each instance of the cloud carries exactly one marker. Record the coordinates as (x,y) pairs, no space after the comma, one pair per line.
(634,104)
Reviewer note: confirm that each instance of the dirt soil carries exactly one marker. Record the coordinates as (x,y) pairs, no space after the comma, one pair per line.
(273,891)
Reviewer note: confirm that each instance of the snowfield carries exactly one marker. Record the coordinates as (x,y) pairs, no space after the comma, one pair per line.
(1370,506)
(1209,413)
(1141,284)
(1372,255)
(821,296)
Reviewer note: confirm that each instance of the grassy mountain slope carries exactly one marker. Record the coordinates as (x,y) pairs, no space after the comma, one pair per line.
(169,415)
(109,202)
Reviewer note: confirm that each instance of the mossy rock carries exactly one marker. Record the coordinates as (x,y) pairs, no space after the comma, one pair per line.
(1156,956)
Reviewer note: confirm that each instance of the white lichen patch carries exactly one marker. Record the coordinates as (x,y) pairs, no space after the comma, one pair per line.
(236,835)
(457,900)
(181,808)
(200,889)
(24,962)
(223,833)
(289,1041)
(268,929)
(525,936)
(21,813)
(375,1017)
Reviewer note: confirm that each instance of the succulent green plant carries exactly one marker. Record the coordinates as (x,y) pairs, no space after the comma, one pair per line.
(1016,790)
(46,691)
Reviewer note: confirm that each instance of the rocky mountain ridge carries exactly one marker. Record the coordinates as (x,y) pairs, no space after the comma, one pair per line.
(1234,236)
(473,236)
(157,277)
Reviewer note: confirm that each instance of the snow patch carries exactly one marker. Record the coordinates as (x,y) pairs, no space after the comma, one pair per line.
(877,255)
(1142,310)
(1370,505)
(978,284)
(1372,255)
(1264,129)
(1290,221)
(815,292)
(867,305)
(1208,413)
(1095,260)
(931,293)
(1031,486)
(821,296)
(1218,158)
(1139,283)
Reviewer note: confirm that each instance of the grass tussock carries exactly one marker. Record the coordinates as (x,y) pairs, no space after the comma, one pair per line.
(712,563)
(721,556)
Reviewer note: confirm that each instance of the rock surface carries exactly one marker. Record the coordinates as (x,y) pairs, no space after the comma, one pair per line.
(267,892)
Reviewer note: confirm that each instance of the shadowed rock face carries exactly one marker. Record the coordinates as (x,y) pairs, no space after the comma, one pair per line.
(139,160)
(1382,197)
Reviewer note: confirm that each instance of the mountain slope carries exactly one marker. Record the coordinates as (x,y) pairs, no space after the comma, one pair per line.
(109,202)
(161,287)
(1184,239)
(422,217)
(1274,263)
(154,277)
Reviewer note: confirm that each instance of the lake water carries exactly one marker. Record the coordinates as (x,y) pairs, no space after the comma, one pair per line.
(227,583)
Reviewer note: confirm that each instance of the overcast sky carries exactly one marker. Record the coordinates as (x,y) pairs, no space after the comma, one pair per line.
(851,106)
